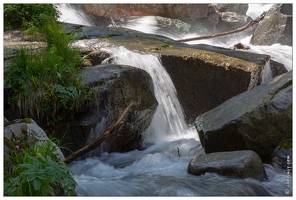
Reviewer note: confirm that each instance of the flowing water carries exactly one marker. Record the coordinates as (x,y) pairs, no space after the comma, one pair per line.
(161,169)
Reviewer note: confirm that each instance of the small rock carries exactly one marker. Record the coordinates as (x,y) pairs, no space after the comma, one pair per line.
(242,164)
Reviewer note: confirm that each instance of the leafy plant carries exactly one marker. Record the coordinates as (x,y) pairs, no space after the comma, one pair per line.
(27,15)
(47,85)
(37,171)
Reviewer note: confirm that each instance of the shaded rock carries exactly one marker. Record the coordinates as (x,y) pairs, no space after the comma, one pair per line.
(277,68)
(254,120)
(209,83)
(242,164)
(241,46)
(281,157)
(21,132)
(276,26)
(118,87)
(96,57)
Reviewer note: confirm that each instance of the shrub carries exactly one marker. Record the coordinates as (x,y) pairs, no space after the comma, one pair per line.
(37,171)
(27,15)
(47,85)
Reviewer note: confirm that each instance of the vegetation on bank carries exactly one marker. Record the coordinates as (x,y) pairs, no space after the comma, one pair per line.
(45,85)
(37,171)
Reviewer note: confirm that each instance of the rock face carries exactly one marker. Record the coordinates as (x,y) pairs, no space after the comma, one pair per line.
(242,164)
(254,120)
(118,87)
(202,84)
(276,27)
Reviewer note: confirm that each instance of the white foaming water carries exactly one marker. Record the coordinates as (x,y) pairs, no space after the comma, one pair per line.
(256,9)
(266,73)
(71,15)
(168,122)
(146,24)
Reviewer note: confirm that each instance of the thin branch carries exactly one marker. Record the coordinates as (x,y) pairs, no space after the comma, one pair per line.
(100,139)
(248,25)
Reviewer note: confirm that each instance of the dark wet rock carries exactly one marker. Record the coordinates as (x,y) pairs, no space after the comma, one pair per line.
(276,26)
(256,120)
(118,86)
(277,68)
(242,164)
(241,46)
(281,157)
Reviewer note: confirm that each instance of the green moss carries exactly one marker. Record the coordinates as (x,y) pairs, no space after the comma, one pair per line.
(26,120)
(287,144)
(166,46)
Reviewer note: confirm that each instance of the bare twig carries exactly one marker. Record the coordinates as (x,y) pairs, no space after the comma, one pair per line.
(248,25)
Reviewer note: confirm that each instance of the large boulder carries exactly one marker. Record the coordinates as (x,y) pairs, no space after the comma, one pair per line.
(256,120)
(21,133)
(242,164)
(204,76)
(276,26)
(228,16)
(118,87)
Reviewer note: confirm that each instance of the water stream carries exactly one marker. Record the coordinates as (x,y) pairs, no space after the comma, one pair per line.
(160,170)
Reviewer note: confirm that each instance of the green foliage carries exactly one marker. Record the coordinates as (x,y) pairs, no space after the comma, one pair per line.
(47,85)
(37,171)
(27,15)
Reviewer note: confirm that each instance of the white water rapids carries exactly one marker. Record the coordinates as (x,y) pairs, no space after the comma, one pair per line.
(158,170)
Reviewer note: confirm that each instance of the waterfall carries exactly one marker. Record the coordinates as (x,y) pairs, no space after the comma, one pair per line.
(69,14)
(266,73)
(168,122)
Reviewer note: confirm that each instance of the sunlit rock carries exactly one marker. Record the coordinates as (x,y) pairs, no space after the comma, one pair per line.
(276,26)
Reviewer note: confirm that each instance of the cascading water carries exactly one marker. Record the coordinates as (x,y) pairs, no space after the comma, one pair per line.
(161,169)
(168,122)
(266,73)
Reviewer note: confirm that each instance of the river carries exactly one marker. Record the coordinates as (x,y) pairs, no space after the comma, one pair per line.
(170,143)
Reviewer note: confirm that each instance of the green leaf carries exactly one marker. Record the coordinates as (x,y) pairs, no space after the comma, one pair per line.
(28,166)
(37,184)
(59,75)
(28,172)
